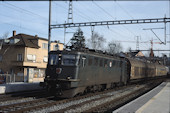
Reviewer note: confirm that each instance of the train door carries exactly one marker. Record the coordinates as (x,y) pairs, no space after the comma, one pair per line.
(124,75)
(128,70)
(146,70)
(82,71)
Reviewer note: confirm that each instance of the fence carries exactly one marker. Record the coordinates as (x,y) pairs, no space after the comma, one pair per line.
(6,78)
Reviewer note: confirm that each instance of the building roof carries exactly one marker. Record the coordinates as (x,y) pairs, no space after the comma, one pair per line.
(27,40)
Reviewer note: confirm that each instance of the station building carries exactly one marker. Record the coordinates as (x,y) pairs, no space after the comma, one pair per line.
(25,57)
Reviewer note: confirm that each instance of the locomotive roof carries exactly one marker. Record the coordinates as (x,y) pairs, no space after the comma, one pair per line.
(92,52)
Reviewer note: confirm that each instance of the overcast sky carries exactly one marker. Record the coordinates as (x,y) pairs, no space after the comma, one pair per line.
(32,18)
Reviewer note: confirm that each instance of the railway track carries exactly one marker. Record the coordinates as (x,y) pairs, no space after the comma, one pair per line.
(93,102)
(19,95)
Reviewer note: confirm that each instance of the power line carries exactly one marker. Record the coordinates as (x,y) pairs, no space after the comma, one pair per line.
(26,19)
(100,18)
(129,15)
(103,10)
(86,17)
(22,27)
(28,12)
(113,17)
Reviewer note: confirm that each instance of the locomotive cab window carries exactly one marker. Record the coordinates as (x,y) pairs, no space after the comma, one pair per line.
(53,59)
(69,60)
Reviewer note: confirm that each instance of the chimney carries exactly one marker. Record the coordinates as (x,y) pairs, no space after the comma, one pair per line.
(14,33)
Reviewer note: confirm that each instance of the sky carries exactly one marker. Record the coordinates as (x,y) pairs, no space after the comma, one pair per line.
(32,18)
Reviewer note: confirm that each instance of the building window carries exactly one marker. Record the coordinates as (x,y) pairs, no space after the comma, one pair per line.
(19,57)
(0,58)
(45,59)
(11,41)
(45,46)
(38,73)
(56,47)
(31,57)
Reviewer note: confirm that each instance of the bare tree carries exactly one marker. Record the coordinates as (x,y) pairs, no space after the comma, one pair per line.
(114,47)
(96,41)
(4,36)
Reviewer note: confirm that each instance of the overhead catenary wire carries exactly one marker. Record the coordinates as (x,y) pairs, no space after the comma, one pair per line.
(79,16)
(130,16)
(63,7)
(22,27)
(67,10)
(113,18)
(28,20)
(27,11)
(123,10)
(104,27)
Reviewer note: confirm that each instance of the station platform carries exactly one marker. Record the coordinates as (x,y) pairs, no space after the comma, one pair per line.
(155,101)
(18,87)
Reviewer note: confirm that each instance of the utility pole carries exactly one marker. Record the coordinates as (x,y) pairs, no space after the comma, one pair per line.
(92,35)
(137,42)
(157,35)
(165,30)
(64,35)
(69,19)
(49,27)
(70,12)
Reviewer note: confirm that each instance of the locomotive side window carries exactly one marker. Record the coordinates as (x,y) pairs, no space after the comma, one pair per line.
(69,60)
(119,64)
(101,62)
(96,61)
(90,61)
(105,63)
(113,63)
(53,59)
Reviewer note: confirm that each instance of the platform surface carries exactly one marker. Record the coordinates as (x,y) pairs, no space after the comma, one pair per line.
(155,101)
(18,86)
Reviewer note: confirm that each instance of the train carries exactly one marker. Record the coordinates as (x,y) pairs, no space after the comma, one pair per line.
(74,72)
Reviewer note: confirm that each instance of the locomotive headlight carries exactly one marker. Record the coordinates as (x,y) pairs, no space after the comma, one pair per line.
(68,78)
